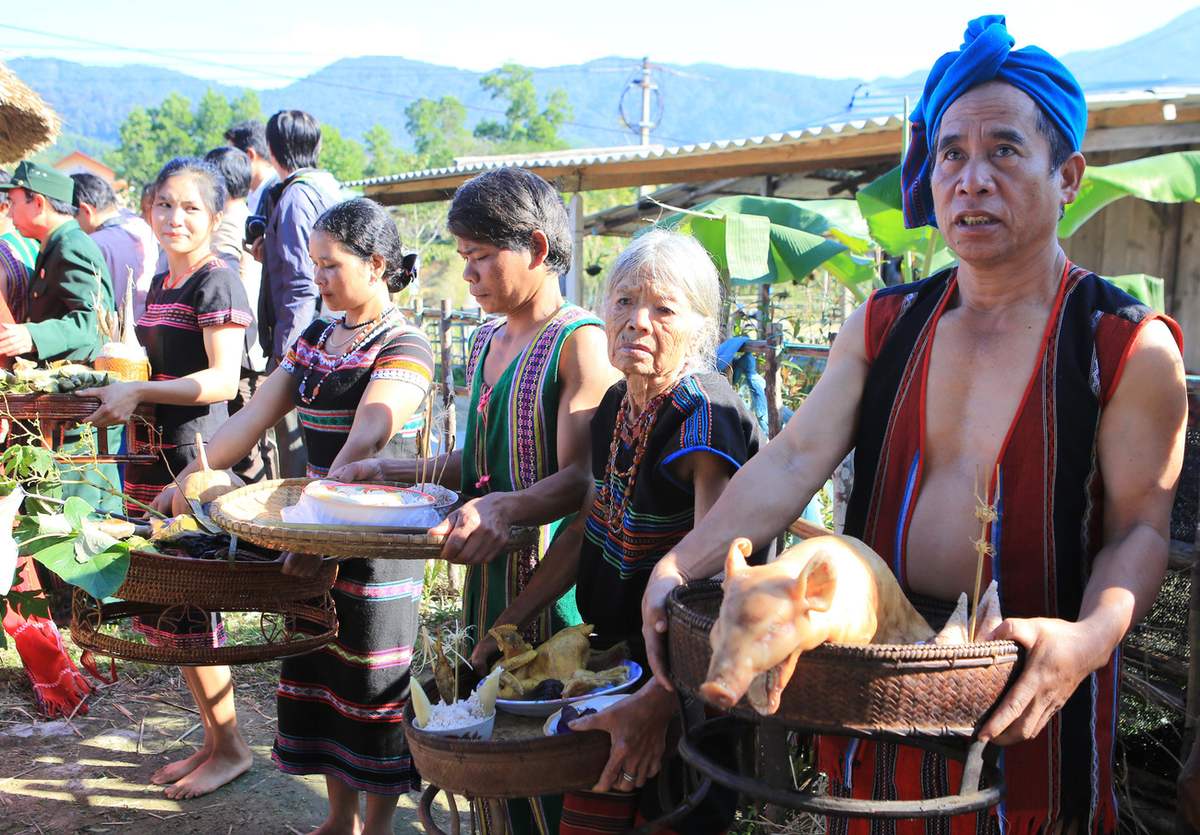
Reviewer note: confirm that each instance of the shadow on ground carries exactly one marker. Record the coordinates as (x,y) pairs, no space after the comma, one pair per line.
(91,774)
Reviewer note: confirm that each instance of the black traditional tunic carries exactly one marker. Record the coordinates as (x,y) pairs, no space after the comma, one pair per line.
(626,537)
(702,414)
(172,331)
(340,707)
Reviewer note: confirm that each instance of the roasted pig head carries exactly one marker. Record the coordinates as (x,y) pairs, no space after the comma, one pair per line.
(828,588)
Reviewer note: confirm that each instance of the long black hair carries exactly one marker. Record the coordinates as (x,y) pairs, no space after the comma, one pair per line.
(365,228)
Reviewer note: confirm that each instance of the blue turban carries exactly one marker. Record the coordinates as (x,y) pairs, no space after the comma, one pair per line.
(986,55)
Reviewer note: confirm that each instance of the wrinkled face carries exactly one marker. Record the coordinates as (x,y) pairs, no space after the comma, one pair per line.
(651,328)
(181,220)
(993,191)
(500,280)
(344,280)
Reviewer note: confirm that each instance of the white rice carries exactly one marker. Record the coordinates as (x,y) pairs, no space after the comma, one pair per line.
(460,714)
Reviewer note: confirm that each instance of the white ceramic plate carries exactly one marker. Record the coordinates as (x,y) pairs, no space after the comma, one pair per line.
(599,703)
(523,707)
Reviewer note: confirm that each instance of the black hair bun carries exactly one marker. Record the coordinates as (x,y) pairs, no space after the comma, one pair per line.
(403,273)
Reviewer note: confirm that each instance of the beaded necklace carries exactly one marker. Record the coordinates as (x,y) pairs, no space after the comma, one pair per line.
(361,337)
(615,514)
(366,323)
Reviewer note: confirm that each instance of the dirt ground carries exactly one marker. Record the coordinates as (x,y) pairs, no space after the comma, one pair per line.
(91,774)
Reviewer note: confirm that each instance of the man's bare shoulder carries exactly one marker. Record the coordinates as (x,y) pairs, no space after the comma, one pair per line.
(584,358)
(1153,370)
(851,341)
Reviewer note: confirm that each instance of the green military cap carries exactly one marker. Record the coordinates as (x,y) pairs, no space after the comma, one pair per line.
(41,179)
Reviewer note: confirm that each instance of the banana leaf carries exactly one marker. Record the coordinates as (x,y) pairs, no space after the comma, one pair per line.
(1166,178)
(1145,288)
(765,240)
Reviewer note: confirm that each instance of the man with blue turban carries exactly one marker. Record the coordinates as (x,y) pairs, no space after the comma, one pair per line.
(1016,392)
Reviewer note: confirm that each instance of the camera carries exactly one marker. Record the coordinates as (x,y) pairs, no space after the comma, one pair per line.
(256,227)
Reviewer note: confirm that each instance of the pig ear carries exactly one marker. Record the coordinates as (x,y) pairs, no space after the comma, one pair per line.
(735,560)
(815,587)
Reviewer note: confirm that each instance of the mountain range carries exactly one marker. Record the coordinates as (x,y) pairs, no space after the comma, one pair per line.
(695,102)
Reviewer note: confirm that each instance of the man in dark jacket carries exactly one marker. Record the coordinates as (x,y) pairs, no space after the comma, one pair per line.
(288,299)
(70,283)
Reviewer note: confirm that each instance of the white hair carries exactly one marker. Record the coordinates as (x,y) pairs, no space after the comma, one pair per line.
(673,261)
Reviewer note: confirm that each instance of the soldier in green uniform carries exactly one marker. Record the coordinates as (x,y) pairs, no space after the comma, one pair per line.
(70,281)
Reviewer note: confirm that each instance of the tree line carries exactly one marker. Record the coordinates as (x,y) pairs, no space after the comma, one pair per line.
(150,136)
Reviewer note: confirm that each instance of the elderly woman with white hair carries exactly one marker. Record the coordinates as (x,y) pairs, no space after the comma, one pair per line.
(665,442)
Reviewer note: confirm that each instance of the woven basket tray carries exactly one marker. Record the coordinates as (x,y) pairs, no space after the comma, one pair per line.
(253,513)
(93,627)
(876,688)
(243,585)
(518,761)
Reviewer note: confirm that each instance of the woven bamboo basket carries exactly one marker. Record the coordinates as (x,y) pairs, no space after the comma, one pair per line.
(253,513)
(925,690)
(245,584)
(291,628)
(518,761)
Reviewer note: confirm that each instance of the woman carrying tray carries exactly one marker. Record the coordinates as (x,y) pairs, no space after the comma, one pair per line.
(354,379)
(192,329)
(665,442)
(536,375)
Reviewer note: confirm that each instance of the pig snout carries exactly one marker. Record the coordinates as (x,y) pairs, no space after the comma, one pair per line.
(729,673)
(718,695)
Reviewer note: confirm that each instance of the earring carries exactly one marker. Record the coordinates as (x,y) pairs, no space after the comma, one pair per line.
(1062,212)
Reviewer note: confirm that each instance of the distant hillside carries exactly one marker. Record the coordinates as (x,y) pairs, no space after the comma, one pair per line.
(699,102)
(705,101)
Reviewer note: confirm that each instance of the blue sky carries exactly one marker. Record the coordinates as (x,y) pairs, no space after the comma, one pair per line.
(257,44)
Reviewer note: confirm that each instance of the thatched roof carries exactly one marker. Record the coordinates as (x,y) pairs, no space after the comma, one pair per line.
(27,124)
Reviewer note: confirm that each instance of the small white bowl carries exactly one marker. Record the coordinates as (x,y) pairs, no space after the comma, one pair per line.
(479,730)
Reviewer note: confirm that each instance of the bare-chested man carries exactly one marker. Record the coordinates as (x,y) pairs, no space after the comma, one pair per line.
(1018,374)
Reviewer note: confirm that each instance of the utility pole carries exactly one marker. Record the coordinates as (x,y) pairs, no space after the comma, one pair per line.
(647,90)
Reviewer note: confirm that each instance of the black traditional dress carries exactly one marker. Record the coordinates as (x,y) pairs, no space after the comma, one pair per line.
(642,511)
(340,707)
(626,536)
(171,329)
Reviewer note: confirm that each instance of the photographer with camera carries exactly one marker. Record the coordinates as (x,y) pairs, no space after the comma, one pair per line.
(288,298)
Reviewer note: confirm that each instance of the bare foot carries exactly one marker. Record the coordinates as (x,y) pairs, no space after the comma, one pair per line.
(339,826)
(171,772)
(219,769)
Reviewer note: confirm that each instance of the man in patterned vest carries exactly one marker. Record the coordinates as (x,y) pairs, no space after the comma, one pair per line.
(536,374)
(1016,376)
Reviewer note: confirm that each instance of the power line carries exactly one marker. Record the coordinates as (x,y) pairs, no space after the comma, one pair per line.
(282,76)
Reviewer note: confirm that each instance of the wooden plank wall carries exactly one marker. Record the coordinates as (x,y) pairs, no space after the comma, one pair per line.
(1133,236)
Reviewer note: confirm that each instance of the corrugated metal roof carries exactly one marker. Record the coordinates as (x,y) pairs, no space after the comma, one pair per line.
(576,158)
(850,123)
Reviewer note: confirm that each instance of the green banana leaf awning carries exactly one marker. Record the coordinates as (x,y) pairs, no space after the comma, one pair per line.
(766,240)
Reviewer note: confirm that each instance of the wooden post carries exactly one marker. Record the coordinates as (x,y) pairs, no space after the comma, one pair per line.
(767,331)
